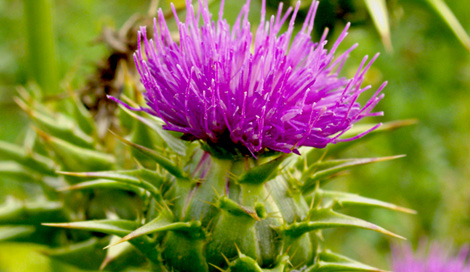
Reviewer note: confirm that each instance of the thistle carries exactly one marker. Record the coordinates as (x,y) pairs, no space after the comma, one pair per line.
(221,170)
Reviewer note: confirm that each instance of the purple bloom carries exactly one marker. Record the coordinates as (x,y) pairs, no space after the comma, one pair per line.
(433,259)
(263,91)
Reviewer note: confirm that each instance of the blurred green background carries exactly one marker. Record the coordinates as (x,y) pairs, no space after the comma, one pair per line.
(429,79)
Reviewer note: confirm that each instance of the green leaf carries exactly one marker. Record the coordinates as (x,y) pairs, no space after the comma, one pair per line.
(81,115)
(385,127)
(310,182)
(342,267)
(322,165)
(378,12)
(358,129)
(117,227)
(327,218)
(332,262)
(85,255)
(130,178)
(103,184)
(14,232)
(116,252)
(449,18)
(29,159)
(341,199)
(244,263)
(261,173)
(175,144)
(17,171)
(18,212)
(58,125)
(162,223)
(162,161)
(280,266)
(75,158)
(125,176)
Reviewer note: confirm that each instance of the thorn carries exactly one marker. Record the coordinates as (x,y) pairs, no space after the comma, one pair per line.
(201,216)
(160,206)
(105,262)
(322,156)
(42,134)
(268,194)
(288,249)
(68,188)
(312,202)
(209,223)
(289,262)
(116,243)
(216,267)
(75,174)
(173,199)
(137,162)
(240,254)
(225,257)
(274,215)
(210,203)
(216,193)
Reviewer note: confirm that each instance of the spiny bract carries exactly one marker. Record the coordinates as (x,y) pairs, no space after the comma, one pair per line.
(230,201)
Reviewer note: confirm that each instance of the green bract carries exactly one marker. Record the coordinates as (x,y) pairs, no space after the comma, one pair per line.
(160,203)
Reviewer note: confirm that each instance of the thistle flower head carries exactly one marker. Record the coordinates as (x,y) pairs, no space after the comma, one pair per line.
(433,259)
(269,90)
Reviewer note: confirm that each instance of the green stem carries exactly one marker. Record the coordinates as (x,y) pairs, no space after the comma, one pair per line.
(41,44)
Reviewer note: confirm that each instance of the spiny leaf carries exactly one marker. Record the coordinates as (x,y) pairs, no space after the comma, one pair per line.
(341,267)
(59,126)
(14,211)
(236,209)
(385,127)
(85,255)
(446,14)
(312,155)
(378,12)
(359,129)
(164,162)
(160,224)
(280,266)
(342,199)
(81,115)
(260,174)
(117,227)
(103,183)
(321,165)
(115,252)
(132,178)
(31,160)
(177,145)
(332,262)
(330,256)
(126,176)
(326,218)
(13,232)
(17,171)
(244,263)
(77,158)
(310,182)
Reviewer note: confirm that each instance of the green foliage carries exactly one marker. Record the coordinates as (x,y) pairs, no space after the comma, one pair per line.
(428,74)
(183,208)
